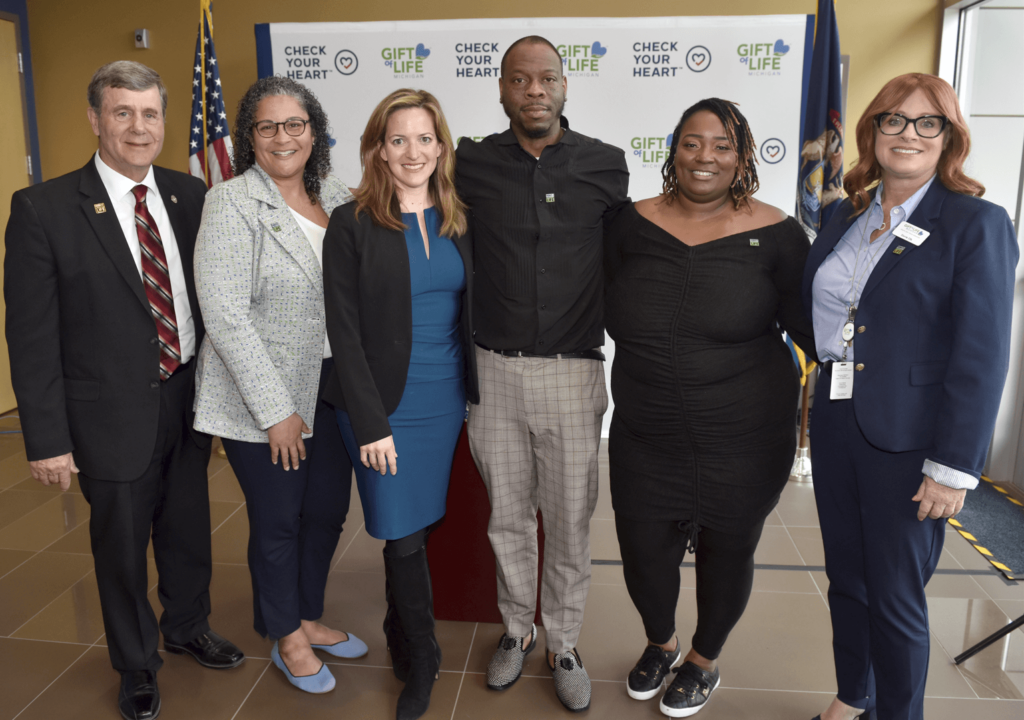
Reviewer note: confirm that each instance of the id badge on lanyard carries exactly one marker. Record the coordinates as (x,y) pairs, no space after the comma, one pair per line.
(842,381)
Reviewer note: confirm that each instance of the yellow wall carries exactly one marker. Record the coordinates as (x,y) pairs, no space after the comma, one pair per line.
(71,39)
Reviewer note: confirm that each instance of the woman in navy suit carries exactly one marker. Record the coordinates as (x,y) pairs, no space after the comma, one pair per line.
(910,289)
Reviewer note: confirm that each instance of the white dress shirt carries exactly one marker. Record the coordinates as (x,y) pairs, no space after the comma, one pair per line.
(119,188)
(315,234)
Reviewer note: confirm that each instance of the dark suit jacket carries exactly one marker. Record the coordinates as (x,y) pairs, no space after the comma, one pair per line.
(936,343)
(368,302)
(83,348)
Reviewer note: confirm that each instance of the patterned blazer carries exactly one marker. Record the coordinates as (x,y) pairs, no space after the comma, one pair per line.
(261,291)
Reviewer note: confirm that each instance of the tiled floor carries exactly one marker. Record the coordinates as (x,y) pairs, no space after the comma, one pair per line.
(778,663)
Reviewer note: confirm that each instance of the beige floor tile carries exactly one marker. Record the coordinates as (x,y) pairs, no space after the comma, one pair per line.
(27,667)
(362,554)
(613,635)
(223,486)
(531,697)
(16,503)
(221,510)
(217,463)
(1013,609)
(46,524)
(946,560)
(944,679)
(953,586)
(30,483)
(773,519)
(796,506)
(10,559)
(951,709)
(74,616)
(782,642)
(14,469)
(10,443)
(35,584)
(604,545)
(607,575)
(998,588)
(89,690)
(776,548)
(965,553)
(957,624)
(361,692)
(76,541)
(231,539)
(808,542)
(784,581)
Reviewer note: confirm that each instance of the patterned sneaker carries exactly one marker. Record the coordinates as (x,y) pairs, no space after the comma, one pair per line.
(648,676)
(690,690)
(507,663)
(572,684)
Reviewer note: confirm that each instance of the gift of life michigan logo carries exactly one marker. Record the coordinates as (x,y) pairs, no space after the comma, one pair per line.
(406,62)
(652,151)
(582,60)
(763,58)
(655,58)
(477,59)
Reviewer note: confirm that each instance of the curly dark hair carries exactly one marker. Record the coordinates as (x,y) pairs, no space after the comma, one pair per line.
(319,162)
(737,130)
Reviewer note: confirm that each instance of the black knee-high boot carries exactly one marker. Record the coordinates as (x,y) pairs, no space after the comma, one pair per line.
(414,602)
(397,643)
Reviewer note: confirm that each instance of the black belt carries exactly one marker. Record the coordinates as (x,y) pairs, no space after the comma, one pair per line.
(583,355)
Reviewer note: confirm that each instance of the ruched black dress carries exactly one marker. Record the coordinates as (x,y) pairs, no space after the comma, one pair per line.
(705,388)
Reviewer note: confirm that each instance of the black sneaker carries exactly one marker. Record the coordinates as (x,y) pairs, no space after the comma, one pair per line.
(690,690)
(648,676)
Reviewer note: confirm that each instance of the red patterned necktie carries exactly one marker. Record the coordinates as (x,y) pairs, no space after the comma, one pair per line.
(157,279)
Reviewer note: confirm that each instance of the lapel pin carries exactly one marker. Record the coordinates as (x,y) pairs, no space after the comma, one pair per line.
(275,227)
(899,250)
(755,243)
(100,208)
(174,199)
(550,197)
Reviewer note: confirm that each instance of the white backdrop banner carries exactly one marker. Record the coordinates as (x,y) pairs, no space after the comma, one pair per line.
(629,80)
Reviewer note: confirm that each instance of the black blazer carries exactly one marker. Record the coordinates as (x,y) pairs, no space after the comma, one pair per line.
(368,302)
(82,342)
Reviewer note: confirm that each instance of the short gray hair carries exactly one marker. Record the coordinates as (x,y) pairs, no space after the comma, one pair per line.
(128,75)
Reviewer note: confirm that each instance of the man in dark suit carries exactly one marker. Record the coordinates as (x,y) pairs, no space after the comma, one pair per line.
(102,325)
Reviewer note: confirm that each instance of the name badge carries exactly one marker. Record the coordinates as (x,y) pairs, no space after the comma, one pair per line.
(911,233)
(842,381)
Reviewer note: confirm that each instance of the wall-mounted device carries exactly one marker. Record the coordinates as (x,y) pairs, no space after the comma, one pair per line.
(142,39)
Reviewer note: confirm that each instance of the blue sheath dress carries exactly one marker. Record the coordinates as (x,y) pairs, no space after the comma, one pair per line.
(427,421)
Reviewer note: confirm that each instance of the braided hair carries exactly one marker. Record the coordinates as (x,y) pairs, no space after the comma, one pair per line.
(737,130)
(319,162)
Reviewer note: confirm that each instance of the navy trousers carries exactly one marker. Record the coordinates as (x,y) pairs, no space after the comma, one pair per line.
(878,557)
(295,520)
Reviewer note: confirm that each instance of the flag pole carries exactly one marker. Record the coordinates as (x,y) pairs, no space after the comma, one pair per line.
(801,471)
(204,8)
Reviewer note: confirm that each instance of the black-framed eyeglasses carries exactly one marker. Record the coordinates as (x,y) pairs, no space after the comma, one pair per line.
(927,126)
(292,126)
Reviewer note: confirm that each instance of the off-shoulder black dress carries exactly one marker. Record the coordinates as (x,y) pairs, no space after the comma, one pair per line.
(705,388)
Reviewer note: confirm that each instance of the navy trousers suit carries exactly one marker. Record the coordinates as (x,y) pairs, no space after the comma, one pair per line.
(932,351)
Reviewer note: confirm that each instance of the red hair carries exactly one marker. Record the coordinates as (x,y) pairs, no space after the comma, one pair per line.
(867,172)
(376,194)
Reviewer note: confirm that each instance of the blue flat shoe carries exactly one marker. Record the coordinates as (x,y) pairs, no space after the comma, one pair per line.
(322,682)
(351,648)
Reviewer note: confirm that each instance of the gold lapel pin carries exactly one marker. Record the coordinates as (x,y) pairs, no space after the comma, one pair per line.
(899,250)
(174,199)
(100,208)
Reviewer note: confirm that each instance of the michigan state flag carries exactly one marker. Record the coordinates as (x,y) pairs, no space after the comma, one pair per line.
(820,187)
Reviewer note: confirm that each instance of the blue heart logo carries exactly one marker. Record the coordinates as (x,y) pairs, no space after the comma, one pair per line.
(331,142)
(422,52)
(781,48)
(596,50)
(668,141)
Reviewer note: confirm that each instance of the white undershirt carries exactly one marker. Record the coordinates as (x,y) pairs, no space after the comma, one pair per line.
(315,234)
(119,188)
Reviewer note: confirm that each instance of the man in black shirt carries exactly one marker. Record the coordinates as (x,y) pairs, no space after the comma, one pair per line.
(538,196)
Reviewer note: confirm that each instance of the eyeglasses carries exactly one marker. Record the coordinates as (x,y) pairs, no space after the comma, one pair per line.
(292,126)
(927,126)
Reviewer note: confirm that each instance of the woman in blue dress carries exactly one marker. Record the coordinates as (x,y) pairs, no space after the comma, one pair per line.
(397,283)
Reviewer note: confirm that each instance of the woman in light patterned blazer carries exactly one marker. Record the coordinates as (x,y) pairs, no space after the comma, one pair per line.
(263,362)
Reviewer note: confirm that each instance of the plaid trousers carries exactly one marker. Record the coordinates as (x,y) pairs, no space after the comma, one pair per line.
(535,437)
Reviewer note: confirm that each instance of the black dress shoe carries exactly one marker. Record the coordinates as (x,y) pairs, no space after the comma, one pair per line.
(210,650)
(139,697)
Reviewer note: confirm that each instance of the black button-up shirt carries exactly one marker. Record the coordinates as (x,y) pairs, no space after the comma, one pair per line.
(538,230)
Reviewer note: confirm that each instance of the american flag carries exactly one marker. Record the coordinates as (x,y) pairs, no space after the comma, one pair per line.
(209,154)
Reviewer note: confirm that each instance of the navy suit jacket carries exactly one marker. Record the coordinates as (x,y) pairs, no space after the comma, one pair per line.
(936,317)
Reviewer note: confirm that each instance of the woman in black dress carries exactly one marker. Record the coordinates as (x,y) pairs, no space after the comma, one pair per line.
(705,390)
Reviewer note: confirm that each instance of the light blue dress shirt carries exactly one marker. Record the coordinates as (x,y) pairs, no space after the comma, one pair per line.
(839,282)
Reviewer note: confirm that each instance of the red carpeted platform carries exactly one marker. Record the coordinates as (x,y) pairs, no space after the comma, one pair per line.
(461,561)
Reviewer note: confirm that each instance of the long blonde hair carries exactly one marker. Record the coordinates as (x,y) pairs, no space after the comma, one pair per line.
(377,195)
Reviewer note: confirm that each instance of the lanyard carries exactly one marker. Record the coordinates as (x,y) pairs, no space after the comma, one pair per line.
(856,283)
